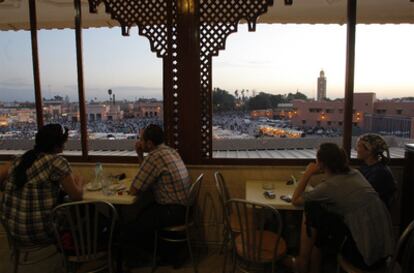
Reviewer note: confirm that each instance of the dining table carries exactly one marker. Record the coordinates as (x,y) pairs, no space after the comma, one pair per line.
(118,196)
(256,192)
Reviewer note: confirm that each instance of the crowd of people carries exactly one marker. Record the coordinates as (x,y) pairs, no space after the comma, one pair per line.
(240,123)
(237,122)
(23,130)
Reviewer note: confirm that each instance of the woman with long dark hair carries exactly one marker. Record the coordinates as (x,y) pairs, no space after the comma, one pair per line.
(33,185)
(343,206)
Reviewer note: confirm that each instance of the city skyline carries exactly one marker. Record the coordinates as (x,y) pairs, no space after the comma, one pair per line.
(274,59)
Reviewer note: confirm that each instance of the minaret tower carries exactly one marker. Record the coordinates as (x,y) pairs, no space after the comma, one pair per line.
(321,86)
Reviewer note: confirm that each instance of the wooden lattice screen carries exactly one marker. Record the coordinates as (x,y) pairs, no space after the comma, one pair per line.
(186,34)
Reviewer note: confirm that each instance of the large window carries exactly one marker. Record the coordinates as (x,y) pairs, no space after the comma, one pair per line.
(17,107)
(59,83)
(123,90)
(279,91)
(384,84)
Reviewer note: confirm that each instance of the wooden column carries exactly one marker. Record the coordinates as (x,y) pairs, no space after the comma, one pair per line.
(168,82)
(81,89)
(349,76)
(189,81)
(35,61)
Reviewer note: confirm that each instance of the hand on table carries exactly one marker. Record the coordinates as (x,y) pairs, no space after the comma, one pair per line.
(79,180)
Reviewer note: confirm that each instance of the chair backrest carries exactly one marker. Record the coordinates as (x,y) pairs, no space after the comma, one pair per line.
(223,192)
(404,252)
(252,219)
(84,229)
(192,197)
(221,188)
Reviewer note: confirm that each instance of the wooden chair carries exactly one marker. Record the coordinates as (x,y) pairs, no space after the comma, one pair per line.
(21,252)
(84,232)
(181,233)
(253,246)
(403,256)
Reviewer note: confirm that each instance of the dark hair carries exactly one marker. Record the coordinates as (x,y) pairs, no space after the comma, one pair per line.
(48,139)
(333,158)
(154,133)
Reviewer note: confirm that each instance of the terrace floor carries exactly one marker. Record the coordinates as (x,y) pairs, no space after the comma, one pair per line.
(209,262)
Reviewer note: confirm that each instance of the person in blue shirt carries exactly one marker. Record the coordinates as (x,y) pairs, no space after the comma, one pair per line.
(373,151)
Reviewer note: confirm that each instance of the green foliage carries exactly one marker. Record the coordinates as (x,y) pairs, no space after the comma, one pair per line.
(261,101)
(266,101)
(297,96)
(223,100)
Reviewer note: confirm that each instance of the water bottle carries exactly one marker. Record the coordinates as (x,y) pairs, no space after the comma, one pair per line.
(102,180)
(98,175)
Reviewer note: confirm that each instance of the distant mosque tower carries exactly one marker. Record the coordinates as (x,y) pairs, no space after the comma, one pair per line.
(321,86)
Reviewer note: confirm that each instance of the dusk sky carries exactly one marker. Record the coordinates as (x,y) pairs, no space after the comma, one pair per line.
(274,59)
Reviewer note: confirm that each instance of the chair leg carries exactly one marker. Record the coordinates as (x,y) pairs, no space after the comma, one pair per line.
(25,256)
(16,259)
(234,262)
(225,259)
(338,268)
(191,252)
(154,255)
(110,265)
(224,243)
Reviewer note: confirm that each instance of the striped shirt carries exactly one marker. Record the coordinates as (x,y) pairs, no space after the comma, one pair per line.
(164,172)
(26,211)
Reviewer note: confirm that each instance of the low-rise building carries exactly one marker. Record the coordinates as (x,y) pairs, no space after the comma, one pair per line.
(394,117)
(148,108)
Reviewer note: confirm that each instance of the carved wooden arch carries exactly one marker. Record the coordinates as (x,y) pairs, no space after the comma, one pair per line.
(159,22)
(151,17)
(218,19)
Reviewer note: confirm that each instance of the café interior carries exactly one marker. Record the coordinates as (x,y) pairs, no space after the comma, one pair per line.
(187,35)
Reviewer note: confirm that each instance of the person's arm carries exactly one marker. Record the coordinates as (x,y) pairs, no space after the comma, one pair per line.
(147,174)
(140,152)
(73,186)
(297,198)
(4,170)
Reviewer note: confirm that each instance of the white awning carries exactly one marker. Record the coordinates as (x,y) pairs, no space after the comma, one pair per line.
(51,14)
(14,14)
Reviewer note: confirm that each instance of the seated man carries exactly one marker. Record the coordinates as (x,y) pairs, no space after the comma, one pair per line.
(162,173)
